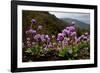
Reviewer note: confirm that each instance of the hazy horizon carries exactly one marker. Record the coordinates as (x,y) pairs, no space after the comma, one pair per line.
(83,17)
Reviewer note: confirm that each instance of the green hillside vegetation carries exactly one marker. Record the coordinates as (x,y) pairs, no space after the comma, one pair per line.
(50,23)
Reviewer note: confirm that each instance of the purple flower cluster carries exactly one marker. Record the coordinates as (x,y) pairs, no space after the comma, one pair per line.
(69,31)
(31,31)
(84,37)
(42,38)
(33,21)
(60,37)
(68,36)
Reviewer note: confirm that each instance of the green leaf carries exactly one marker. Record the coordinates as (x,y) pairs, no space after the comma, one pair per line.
(28,50)
(62,52)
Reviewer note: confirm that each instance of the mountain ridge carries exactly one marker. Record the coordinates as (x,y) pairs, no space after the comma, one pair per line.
(77,22)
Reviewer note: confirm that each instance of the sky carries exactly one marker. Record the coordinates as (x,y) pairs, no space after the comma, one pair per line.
(84,17)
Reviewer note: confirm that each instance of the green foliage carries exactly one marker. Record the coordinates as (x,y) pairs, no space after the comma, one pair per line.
(36,50)
(75,49)
(62,52)
(84,45)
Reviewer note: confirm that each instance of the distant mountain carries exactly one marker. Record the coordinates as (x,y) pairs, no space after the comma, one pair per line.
(77,22)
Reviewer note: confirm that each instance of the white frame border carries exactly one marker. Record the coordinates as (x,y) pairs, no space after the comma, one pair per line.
(53,63)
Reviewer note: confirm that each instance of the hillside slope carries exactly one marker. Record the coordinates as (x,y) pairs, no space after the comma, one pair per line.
(50,23)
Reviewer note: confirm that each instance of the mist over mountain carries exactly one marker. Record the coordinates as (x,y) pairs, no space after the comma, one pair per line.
(83,17)
(77,22)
